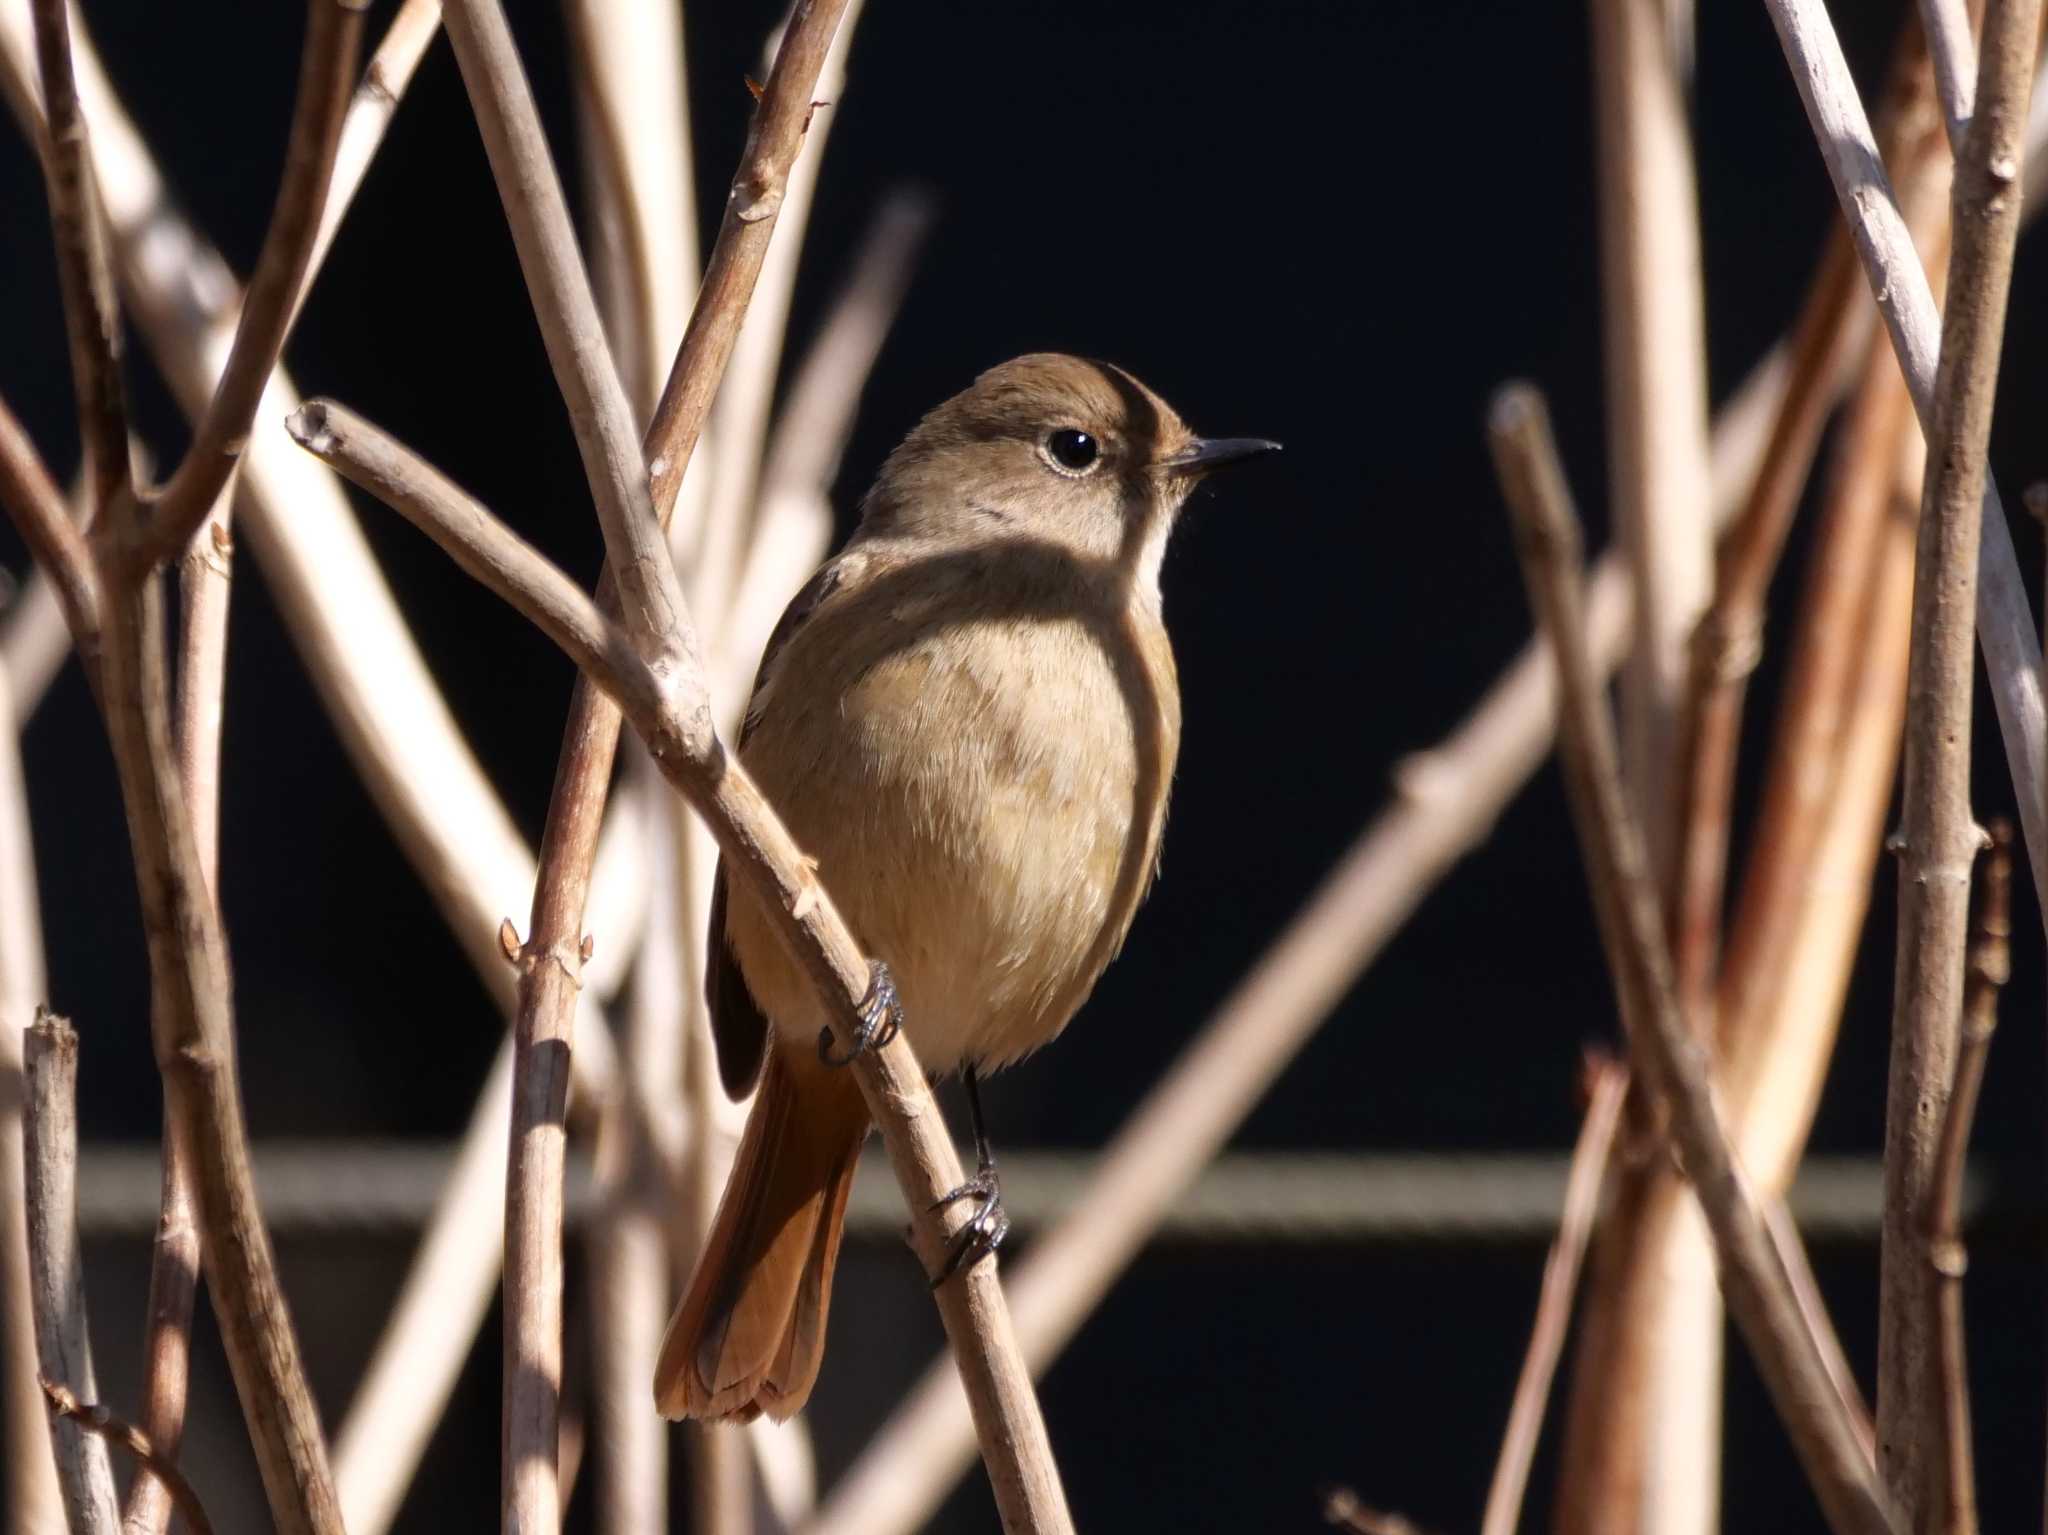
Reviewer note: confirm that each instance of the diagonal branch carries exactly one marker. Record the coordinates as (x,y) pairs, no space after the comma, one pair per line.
(150,1458)
(671,713)
(327,72)
(641,582)
(92,318)
(1668,1056)
(2005,624)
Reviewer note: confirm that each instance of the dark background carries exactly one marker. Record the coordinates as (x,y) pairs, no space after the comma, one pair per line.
(1337,225)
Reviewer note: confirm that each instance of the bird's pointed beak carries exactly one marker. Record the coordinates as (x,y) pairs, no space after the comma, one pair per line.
(1206,453)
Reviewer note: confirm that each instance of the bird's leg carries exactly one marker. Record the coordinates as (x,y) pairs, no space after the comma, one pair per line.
(880,1014)
(985,1229)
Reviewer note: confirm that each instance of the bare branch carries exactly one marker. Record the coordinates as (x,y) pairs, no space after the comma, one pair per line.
(327,71)
(466,530)
(1954,1493)
(1655,331)
(157,1464)
(31,1476)
(650,598)
(1554,1309)
(37,507)
(740,418)
(1939,838)
(756,198)
(2005,624)
(1946,24)
(63,1344)
(92,318)
(669,715)
(1668,1056)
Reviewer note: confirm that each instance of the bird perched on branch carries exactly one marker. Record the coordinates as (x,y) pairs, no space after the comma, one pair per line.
(969,718)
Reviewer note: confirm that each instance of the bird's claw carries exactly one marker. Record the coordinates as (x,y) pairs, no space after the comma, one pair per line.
(984,1230)
(880,1019)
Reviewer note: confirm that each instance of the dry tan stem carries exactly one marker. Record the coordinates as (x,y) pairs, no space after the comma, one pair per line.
(1954,1495)
(2005,625)
(34,643)
(93,321)
(326,73)
(1554,1306)
(1814,843)
(744,232)
(1669,1058)
(632,90)
(150,1461)
(650,598)
(1946,26)
(740,419)
(203,584)
(63,1345)
(672,716)
(1938,837)
(37,507)
(1657,399)
(1833,329)
(31,1477)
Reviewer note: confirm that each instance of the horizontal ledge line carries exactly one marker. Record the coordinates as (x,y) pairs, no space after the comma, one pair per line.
(314,1187)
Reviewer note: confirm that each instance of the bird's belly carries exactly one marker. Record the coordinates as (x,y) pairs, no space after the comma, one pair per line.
(986,828)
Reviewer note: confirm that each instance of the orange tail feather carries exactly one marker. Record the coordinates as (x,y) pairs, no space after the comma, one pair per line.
(749,1334)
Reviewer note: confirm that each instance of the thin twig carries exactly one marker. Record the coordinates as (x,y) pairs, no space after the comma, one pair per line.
(740,418)
(1656,366)
(31,1476)
(1609,1083)
(744,232)
(36,506)
(649,595)
(673,717)
(203,588)
(1946,25)
(63,1343)
(1954,1494)
(327,72)
(1938,837)
(157,1463)
(2005,624)
(1667,1055)
(93,321)
(34,643)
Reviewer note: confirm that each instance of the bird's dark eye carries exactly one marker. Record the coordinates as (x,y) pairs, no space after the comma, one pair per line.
(1072,449)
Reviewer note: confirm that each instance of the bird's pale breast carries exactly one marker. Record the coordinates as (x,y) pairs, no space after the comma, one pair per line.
(983,787)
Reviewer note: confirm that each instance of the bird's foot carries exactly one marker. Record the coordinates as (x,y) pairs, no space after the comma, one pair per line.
(985,1228)
(880,1018)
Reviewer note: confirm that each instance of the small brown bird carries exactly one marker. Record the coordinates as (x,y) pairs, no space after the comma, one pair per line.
(969,717)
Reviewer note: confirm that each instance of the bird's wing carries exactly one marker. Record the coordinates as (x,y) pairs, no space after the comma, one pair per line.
(739,1031)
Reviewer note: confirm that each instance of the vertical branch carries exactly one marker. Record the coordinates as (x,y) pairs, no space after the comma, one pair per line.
(1554,1307)
(1655,328)
(740,423)
(1939,839)
(650,598)
(92,321)
(1668,1055)
(203,577)
(1954,1498)
(63,1348)
(31,1477)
